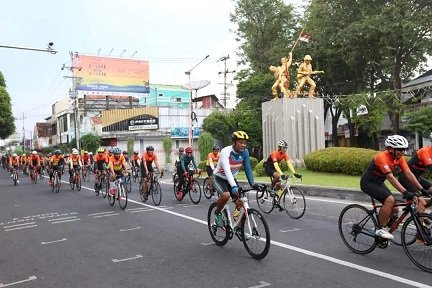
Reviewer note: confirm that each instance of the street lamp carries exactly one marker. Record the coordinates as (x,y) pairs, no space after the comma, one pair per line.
(48,49)
(190,93)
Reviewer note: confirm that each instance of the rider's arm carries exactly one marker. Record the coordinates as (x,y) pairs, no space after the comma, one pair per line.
(247,167)
(156,163)
(210,160)
(182,163)
(225,164)
(395,183)
(290,166)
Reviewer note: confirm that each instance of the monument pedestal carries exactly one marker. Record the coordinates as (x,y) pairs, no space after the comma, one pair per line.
(299,121)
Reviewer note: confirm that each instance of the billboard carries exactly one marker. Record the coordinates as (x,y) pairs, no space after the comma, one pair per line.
(111,76)
(183,132)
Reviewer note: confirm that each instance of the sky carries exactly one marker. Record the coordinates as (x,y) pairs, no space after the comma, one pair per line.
(172,35)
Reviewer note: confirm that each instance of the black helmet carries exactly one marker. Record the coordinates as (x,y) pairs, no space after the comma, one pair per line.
(150,148)
(181,150)
(216,147)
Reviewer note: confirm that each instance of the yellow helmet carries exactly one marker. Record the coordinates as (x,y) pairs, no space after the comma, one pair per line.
(239,135)
(307,57)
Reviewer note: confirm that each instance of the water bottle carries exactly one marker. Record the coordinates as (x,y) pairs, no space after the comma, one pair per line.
(236,214)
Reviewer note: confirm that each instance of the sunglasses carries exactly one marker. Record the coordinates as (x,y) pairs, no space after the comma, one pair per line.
(400,149)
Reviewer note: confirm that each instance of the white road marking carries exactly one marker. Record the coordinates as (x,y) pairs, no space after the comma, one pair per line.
(64,218)
(187,206)
(55,241)
(126,259)
(70,220)
(100,213)
(292,230)
(31,278)
(206,244)
(106,215)
(142,210)
(130,229)
(323,215)
(6,227)
(18,228)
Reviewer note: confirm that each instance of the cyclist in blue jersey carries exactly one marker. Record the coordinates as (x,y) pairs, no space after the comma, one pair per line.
(231,159)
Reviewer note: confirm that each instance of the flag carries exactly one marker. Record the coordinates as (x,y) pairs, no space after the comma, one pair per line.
(304,37)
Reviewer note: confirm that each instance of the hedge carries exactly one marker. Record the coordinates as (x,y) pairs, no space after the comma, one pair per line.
(346,160)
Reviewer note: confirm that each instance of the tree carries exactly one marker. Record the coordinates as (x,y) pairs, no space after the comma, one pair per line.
(167,146)
(220,125)
(2,80)
(90,142)
(130,145)
(7,121)
(419,121)
(205,144)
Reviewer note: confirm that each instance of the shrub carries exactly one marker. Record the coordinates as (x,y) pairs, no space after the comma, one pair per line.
(346,160)
(253,161)
(202,165)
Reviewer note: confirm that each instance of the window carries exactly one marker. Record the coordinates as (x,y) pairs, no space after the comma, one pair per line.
(161,95)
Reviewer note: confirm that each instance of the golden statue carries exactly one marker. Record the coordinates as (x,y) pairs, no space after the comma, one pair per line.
(281,74)
(303,76)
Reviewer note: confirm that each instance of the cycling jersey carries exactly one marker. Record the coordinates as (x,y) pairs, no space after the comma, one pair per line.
(421,161)
(101,160)
(56,160)
(35,160)
(85,159)
(14,161)
(147,158)
(383,164)
(229,165)
(75,160)
(117,164)
(212,159)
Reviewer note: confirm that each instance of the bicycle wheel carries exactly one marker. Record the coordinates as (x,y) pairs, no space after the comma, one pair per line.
(265,200)
(208,191)
(128,184)
(57,184)
(220,235)
(122,196)
(111,198)
(104,188)
(156,193)
(78,183)
(357,228)
(417,241)
(294,202)
(36,178)
(195,192)
(255,234)
(72,182)
(175,191)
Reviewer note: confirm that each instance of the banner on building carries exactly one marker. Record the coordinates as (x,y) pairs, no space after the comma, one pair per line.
(183,132)
(111,76)
(130,119)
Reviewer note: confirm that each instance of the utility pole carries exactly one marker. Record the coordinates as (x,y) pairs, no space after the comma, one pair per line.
(225,72)
(73,94)
(23,131)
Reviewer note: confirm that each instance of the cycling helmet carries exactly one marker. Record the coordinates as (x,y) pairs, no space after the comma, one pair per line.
(116,151)
(85,152)
(14,155)
(34,152)
(181,150)
(57,152)
(150,148)
(216,147)
(90,153)
(23,155)
(100,150)
(396,141)
(239,135)
(125,152)
(282,144)
(136,153)
(75,152)
(188,149)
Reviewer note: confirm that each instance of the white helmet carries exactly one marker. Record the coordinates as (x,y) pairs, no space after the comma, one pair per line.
(283,144)
(75,152)
(396,141)
(14,155)
(34,152)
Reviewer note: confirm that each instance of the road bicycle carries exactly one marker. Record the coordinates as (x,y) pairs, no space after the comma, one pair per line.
(15,176)
(121,194)
(85,173)
(42,173)
(135,173)
(128,183)
(154,188)
(208,188)
(101,186)
(75,179)
(291,200)
(250,227)
(357,226)
(34,175)
(191,187)
(55,183)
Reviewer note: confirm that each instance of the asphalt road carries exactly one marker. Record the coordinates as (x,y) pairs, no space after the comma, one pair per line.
(75,239)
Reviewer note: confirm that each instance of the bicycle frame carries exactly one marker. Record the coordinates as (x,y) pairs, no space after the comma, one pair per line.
(243,213)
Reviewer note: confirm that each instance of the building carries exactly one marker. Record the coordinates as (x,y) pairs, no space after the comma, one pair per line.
(42,135)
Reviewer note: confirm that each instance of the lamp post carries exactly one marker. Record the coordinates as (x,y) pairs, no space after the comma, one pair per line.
(188,73)
(48,49)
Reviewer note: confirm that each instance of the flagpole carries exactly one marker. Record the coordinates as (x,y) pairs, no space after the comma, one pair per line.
(297,39)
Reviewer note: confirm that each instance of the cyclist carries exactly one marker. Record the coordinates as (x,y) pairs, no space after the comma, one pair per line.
(181,152)
(86,160)
(23,162)
(135,161)
(35,162)
(271,166)
(56,162)
(212,159)
(14,163)
(418,164)
(182,169)
(101,163)
(380,169)
(232,158)
(117,164)
(74,163)
(147,166)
